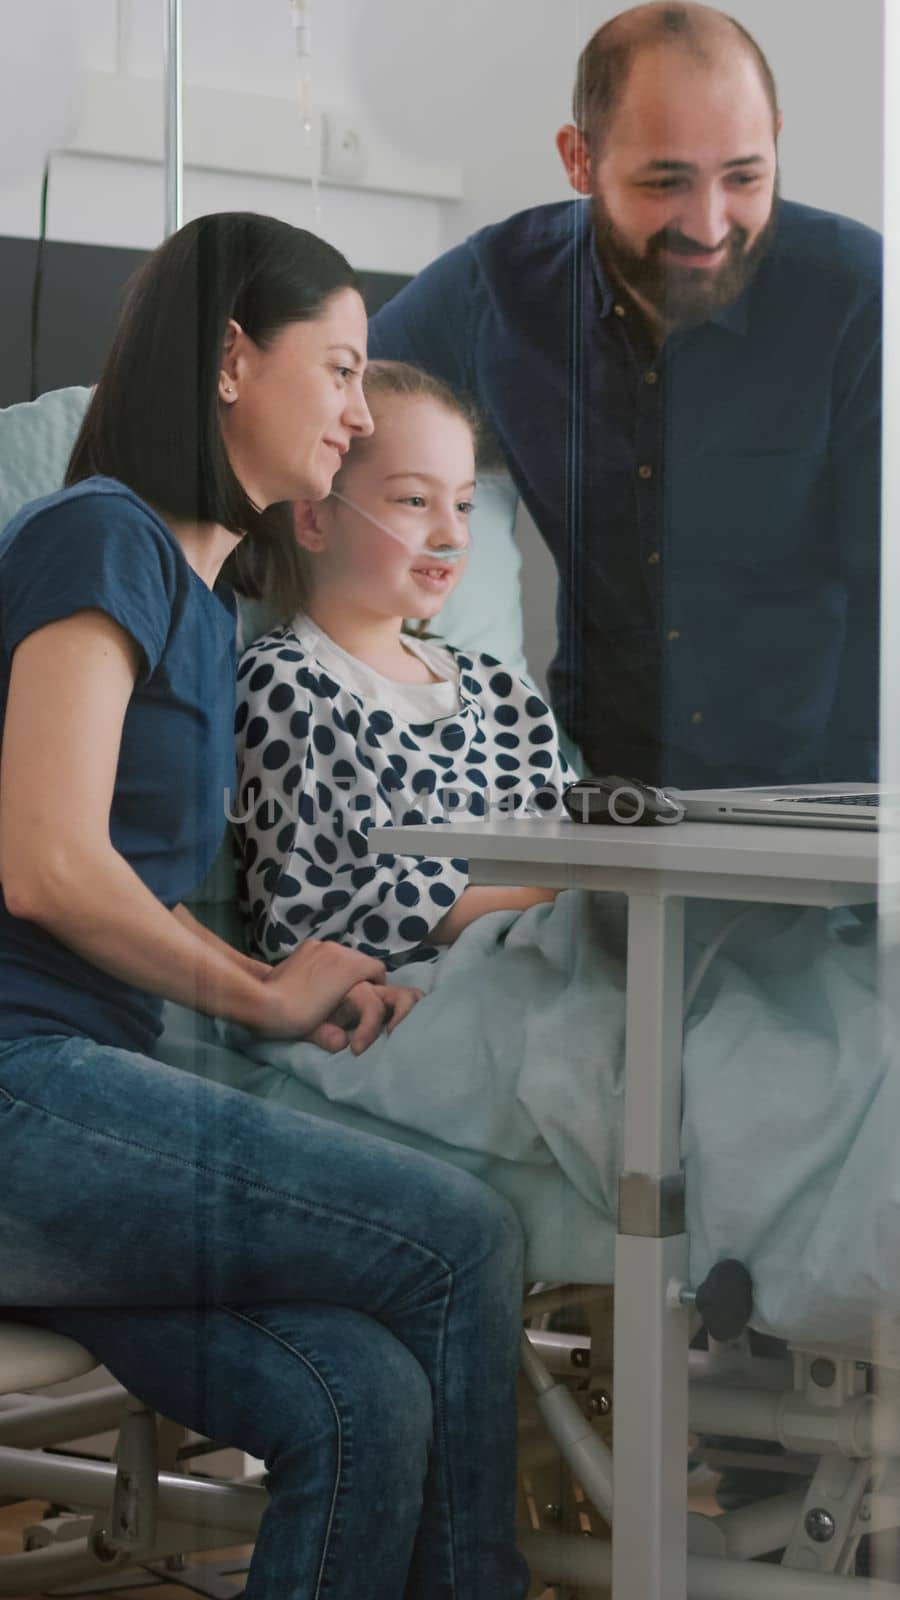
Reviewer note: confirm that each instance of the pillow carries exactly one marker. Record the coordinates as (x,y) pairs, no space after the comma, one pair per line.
(484,612)
(36,440)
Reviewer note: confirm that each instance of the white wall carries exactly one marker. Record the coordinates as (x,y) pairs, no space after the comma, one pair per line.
(238,47)
(484,82)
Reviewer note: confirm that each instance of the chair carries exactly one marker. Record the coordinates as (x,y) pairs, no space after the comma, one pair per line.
(117,1515)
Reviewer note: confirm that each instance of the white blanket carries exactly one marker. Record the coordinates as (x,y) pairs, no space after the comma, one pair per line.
(513,1066)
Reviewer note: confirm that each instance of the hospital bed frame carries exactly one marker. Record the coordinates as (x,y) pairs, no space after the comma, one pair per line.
(826,1424)
(834,1418)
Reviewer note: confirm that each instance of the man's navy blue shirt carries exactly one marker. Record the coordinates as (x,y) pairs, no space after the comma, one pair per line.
(712,507)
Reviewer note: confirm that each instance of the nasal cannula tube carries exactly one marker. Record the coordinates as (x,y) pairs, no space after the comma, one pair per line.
(448,553)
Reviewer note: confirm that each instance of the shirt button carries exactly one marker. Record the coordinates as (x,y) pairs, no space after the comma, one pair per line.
(697,718)
(673,635)
(651,377)
(619,310)
(645,471)
(653,560)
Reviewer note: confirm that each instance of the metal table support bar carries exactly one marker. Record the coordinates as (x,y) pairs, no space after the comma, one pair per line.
(651,1333)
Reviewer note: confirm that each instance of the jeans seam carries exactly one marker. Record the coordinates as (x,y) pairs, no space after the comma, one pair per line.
(441,1418)
(5,1095)
(251,1185)
(242,1316)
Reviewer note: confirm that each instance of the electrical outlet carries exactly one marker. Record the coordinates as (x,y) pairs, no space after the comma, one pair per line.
(343,157)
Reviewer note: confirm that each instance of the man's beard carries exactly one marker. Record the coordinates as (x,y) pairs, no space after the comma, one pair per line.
(681,294)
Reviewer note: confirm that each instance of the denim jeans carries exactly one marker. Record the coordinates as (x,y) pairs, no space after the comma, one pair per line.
(342,1307)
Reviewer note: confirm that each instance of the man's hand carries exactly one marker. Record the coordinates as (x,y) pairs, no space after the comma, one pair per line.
(363,1014)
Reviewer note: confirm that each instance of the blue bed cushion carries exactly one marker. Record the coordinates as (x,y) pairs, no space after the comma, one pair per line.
(36,440)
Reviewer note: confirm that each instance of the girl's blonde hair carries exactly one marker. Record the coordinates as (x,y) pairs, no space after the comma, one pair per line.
(277,570)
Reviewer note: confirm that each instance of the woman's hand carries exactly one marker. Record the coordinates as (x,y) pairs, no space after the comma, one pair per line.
(303,991)
(332,996)
(360,1018)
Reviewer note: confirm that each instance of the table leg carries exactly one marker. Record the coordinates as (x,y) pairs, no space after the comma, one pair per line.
(651,1336)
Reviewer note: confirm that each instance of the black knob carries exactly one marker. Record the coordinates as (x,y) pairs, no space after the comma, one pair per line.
(725,1300)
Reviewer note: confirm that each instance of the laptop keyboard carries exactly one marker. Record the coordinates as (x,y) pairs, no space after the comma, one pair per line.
(829,799)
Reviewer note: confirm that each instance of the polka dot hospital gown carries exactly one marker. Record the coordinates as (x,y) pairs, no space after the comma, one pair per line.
(328,749)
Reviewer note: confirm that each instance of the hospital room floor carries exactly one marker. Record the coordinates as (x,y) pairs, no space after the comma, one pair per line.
(12,1522)
(15,1518)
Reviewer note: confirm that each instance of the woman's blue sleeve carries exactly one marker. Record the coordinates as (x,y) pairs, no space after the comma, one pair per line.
(88,553)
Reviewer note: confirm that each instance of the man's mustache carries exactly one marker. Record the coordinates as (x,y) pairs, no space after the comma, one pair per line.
(679,244)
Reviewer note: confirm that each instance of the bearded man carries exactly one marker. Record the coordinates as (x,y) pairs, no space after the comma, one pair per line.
(683,372)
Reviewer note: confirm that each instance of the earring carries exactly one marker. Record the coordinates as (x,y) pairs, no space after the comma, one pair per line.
(229,393)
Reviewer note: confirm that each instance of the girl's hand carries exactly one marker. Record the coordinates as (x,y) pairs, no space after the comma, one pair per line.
(360,1018)
(477,902)
(304,990)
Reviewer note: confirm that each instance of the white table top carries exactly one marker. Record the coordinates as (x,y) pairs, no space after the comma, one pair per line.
(717,860)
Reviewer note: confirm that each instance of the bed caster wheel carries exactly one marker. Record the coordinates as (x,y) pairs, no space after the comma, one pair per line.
(724,1300)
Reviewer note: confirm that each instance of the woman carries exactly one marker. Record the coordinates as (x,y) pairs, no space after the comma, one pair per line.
(345,1309)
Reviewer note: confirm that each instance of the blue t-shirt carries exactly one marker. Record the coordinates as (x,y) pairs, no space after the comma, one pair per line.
(98,546)
(713,507)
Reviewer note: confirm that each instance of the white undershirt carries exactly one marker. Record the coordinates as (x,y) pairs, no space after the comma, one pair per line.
(413,702)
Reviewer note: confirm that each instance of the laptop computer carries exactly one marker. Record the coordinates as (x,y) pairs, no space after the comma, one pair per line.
(809,805)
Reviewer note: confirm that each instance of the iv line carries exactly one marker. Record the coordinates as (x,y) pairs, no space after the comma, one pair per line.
(301,17)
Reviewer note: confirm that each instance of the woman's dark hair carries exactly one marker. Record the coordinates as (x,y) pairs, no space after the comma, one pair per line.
(153,421)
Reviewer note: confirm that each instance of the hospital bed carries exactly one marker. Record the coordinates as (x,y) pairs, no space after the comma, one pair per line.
(824,1417)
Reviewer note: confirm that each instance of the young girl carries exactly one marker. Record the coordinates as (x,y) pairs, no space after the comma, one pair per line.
(346,722)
